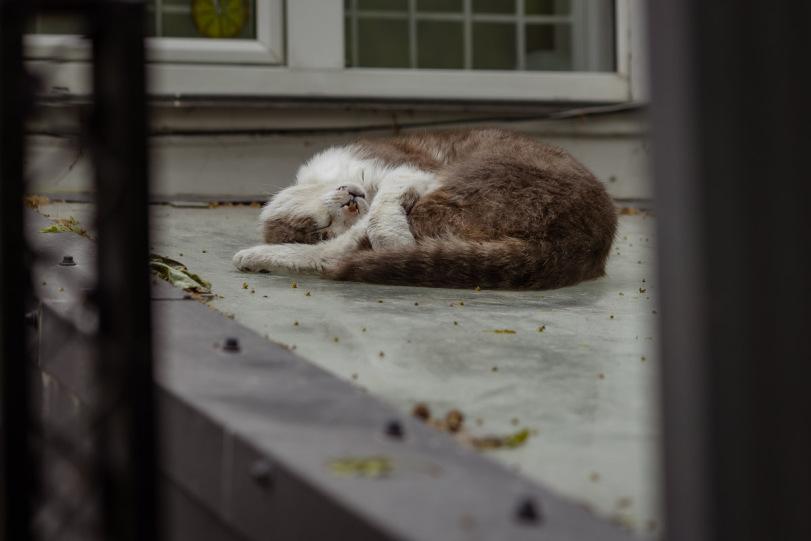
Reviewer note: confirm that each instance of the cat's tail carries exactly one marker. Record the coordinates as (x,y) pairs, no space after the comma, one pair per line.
(503,264)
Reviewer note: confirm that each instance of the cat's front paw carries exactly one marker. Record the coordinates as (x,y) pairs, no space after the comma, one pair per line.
(254,259)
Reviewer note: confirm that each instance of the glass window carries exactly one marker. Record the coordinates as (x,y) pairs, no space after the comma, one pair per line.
(216,19)
(534,35)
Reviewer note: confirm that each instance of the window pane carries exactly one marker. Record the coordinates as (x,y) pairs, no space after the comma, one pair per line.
(547,7)
(549,47)
(348,42)
(439,6)
(59,24)
(221,19)
(559,35)
(383,43)
(493,6)
(441,45)
(383,5)
(494,46)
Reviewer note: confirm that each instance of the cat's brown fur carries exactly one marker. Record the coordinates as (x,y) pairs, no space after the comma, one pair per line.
(510,212)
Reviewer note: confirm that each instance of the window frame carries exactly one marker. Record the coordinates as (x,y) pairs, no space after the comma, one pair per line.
(314,51)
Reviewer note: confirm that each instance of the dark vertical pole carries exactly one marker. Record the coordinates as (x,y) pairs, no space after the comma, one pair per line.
(731,113)
(16,469)
(127,436)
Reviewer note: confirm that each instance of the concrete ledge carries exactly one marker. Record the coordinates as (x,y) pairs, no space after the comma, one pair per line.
(248,437)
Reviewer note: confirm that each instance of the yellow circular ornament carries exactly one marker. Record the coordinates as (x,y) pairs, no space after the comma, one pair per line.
(219,18)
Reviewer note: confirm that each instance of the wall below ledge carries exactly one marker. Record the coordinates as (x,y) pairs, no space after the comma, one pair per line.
(216,153)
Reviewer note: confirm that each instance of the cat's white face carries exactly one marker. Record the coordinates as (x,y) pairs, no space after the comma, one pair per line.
(310,213)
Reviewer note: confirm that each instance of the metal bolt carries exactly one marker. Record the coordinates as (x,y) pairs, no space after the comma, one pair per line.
(262,473)
(527,511)
(32,318)
(67,261)
(231,345)
(394,429)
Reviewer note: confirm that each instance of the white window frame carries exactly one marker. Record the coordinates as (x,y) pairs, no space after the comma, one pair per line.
(315,70)
(266,48)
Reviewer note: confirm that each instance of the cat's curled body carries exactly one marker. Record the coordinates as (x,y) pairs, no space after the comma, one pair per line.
(485,207)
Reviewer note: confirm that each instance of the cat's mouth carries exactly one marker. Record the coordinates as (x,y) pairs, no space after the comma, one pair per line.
(352,205)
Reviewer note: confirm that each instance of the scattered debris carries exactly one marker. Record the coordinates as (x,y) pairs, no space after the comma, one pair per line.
(244,285)
(66,225)
(35,201)
(372,467)
(335,339)
(454,420)
(642,289)
(454,424)
(381,354)
(601,375)
(456,323)
(594,477)
(542,328)
(177,274)
(421,411)
(502,331)
(494,369)
(307,294)
(293,284)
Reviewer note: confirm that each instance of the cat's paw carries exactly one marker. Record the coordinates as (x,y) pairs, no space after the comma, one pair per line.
(256,259)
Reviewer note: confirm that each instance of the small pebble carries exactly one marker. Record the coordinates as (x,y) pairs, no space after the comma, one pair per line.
(542,328)
(381,354)
(494,369)
(295,323)
(601,375)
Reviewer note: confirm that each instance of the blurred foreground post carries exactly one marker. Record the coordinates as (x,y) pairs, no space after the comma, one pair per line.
(731,116)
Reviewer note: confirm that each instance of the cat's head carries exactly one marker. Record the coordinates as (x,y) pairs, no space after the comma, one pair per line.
(309,213)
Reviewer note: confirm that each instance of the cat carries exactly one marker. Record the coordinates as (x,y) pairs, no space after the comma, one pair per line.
(486,208)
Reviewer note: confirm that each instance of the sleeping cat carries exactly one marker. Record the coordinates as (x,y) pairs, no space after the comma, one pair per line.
(483,207)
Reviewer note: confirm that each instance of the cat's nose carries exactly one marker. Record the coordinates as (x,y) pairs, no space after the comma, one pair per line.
(354,191)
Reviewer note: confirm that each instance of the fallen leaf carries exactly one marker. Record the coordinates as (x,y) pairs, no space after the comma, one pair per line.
(177,274)
(373,467)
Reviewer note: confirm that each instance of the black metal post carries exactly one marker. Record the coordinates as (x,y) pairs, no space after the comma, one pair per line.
(731,114)
(127,435)
(16,467)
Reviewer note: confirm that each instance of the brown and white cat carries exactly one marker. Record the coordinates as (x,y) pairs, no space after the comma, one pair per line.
(483,207)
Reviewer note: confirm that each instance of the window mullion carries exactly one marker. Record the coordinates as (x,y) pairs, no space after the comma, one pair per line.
(468,33)
(520,35)
(315,34)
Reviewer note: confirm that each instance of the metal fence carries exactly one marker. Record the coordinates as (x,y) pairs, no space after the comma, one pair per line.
(93,477)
